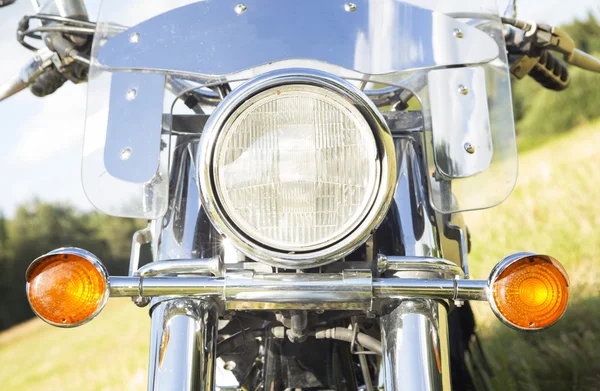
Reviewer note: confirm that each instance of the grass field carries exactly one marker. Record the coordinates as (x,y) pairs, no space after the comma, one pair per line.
(110,353)
(555,209)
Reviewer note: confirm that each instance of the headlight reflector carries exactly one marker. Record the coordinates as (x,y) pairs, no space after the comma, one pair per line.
(295,167)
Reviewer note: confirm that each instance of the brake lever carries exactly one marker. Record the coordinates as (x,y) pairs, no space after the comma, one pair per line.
(545,37)
(42,61)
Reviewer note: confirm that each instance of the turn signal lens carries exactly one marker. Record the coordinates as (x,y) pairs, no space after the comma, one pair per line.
(529,291)
(67,287)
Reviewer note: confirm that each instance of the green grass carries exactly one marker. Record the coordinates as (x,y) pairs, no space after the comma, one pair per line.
(109,353)
(555,209)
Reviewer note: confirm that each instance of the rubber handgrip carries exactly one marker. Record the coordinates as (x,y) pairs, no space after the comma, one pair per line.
(47,83)
(551,72)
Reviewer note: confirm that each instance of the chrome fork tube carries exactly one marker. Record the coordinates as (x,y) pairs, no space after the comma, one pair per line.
(184,330)
(183,345)
(414,337)
(414,333)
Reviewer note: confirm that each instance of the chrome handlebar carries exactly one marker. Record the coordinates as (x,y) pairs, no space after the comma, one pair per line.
(41,62)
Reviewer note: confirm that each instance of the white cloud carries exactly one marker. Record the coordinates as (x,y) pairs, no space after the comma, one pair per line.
(555,12)
(56,127)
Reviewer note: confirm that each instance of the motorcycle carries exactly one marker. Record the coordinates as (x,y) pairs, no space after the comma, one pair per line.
(303,168)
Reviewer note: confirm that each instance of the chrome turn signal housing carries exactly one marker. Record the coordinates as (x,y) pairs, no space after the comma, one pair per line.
(528,291)
(297,167)
(67,287)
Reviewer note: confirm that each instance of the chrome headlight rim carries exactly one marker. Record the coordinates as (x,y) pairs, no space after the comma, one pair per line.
(326,253)
(334,98)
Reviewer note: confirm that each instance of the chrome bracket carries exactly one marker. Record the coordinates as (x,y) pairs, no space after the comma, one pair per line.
(351,289)
(132,148)
(457,234)
(419,267)
(200,266)
(460,121)
(141,237)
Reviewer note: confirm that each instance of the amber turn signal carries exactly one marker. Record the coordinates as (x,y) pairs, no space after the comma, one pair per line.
(67,287)
(529,291)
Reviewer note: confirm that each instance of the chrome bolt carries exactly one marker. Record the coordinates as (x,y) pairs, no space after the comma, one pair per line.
(469,148)
(350,7)
(134,38)
(240,9)
(141,301)
(125,153)
(458,33)
(463,90)
(131,94)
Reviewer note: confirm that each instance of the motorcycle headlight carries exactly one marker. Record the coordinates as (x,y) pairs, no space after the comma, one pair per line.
(296,167)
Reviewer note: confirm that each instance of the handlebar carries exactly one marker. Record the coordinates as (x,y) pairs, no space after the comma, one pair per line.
(550,72)
(11,87)
(36,67)
(584,60)
(528,44)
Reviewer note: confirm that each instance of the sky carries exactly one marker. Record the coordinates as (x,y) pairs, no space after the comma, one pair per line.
(41,138)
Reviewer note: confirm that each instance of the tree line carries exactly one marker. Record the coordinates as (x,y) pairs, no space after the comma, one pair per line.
(541,114)
(38,228)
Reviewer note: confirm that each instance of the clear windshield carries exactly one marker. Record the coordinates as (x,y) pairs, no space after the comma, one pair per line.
(449,55)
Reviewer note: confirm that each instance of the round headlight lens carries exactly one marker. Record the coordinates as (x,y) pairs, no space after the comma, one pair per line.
(295,167)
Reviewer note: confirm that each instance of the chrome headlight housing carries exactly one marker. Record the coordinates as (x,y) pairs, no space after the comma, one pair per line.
(297,168)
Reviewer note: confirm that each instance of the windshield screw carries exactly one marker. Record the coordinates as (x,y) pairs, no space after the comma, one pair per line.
(240,9)
(463,90)
(125,153)
(350,7)
(134,38)
(469,148)
(131,94)
(458,33)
